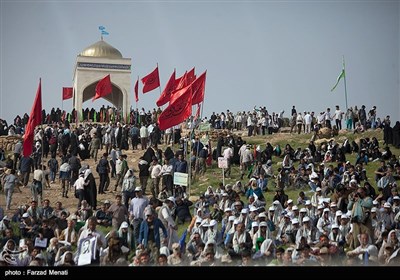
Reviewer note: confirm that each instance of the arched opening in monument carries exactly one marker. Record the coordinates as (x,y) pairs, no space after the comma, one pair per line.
(113,100)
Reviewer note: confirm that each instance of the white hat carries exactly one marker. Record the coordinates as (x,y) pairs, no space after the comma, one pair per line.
(333,204)
(254,224)
(375,202)
(338,213)
(231,218)
(289,201)
(263,224)
(344,216)
(172,199)
(262,215)
(303,210)
(294,208)
(306,219)
(198,220)
(225,194)
(276,202)
(138,189)
(387,205)
(353,181)
(335,226)
(107,201)
(235,221)
(308,202)
(373,209)
(124,225)
(227,209)
(272,208)
(326,210)
(295,221)
(252,208)
(396,197)
(244,211)
(318,189)
(213,223)
(25,215)
(320,207)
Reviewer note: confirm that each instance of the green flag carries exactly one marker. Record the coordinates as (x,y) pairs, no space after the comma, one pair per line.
(338,79)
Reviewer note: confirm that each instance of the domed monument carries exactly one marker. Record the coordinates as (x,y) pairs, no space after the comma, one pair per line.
(93,64)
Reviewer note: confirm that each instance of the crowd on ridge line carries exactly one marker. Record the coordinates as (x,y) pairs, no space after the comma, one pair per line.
(343,222)
(258,121)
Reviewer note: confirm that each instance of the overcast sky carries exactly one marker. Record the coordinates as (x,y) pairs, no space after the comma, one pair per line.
(270,53)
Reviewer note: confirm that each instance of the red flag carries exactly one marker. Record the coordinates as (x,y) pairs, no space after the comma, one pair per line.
(198,88)
(182,82)
(166,94)
(67,93)
(103,87)
(35,119)
(190,76)
(137,90)
(178,110)
(151,81)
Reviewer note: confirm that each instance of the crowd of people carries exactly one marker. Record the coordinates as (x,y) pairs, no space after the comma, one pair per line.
(338,217)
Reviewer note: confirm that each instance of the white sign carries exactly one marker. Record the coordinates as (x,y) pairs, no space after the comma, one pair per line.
(180,179)
(222,162)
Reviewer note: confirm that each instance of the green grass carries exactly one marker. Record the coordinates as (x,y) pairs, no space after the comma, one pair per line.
(213,175)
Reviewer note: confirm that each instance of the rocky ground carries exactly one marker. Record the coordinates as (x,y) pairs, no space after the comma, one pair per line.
(53,193)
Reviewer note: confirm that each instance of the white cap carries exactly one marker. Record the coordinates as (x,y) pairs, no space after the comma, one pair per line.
(326,210)
(306,219)
(294,208)
(172,199)
(252,208)
(308,202)
(213,223)
(124,225)
(318,189)
(231,218)
(289,201)
(335,226)
(320,207)
(303,210)
(396,197)
(344,216)
(244,211)
(375,202)
(263,224)
(254,224)
(25,215)
(262,215)
(276,202)
(235,221)
(227,209)
(338,213)
(373,209)
(353,181)
(333,204)
(198,220)
(295,221)
(387,205)
(272,208)
(138,189)
(225,194)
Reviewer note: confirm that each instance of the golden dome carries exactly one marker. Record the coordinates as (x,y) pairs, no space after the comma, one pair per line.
(101,49)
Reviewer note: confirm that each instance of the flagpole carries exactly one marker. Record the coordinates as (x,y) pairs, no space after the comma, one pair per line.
(137,93)
(345,88)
